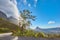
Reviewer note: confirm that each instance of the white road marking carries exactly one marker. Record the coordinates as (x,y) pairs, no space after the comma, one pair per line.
(16,38)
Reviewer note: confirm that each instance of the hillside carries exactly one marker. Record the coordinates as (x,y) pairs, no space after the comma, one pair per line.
(49,30)
(5,25)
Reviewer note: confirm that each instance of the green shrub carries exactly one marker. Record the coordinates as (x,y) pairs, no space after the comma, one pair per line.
(29,33)
(41,34)
(4,30)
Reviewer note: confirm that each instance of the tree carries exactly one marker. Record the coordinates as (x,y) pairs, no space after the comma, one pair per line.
(25,19)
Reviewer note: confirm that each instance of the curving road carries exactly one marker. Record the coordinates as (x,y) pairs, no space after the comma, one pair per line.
(7,36)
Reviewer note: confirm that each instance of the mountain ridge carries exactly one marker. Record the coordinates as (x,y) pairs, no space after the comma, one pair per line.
(48,30)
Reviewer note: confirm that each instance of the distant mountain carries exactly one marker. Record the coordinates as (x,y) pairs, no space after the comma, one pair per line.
(49,30)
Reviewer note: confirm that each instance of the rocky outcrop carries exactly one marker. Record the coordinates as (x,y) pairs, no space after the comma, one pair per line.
(10,19)
(2,15)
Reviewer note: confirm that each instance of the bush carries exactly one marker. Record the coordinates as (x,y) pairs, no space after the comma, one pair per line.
(4,30)
(26,33)
(29,33)
(41,34)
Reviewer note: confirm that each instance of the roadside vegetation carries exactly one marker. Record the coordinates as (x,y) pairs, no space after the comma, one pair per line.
(6,26)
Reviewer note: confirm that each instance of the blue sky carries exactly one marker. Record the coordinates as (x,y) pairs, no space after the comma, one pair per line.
(47,12)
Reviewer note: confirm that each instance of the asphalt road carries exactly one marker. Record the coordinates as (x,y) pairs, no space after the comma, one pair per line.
(7,36)
(26,38)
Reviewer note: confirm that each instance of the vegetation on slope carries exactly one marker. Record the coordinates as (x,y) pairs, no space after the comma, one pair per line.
(6,26)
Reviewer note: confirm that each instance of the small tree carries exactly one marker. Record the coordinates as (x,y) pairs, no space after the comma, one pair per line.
(25,19)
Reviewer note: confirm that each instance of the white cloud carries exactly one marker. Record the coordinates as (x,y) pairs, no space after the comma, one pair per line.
(25,2)
(35,0)
(14,1)
(9,8)
(29,5)
(51,22)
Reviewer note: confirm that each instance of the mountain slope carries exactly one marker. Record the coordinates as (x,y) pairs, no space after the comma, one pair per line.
(49,30)
(6,24)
